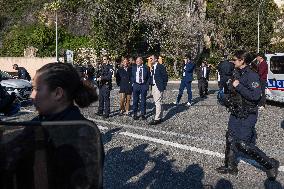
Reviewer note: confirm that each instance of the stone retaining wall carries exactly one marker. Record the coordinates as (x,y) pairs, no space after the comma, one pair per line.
(31,64)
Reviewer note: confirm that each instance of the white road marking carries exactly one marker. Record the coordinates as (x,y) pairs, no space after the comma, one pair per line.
(102,128)
(26,110)
(159,131)
(173,144)
(176,90)
(185,147)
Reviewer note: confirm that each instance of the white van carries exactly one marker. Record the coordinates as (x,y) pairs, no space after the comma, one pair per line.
(275,79)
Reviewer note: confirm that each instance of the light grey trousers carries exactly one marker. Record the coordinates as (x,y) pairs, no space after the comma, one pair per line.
(158,100)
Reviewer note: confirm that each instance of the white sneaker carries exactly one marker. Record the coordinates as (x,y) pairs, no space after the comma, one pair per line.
(261,108)
(188,104)
(175,103)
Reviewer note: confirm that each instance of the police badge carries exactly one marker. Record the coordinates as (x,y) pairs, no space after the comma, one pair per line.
(255,84)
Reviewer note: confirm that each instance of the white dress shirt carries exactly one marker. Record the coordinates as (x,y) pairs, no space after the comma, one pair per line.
(204,71)
(153,73)
(137,74)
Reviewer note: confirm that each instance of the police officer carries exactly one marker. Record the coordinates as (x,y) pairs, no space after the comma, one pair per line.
(22,72)
(225,69)
(242,99)
(104,84)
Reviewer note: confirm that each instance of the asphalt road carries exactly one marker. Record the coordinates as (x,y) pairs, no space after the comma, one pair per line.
(185,149)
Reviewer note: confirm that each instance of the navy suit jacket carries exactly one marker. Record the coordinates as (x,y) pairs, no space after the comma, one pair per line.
(146,74)
(188,70)
(160,76)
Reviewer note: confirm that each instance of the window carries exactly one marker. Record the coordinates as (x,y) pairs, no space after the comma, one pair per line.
(277,64)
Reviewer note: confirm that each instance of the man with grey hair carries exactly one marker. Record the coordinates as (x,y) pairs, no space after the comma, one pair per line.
(159,80)
(140,79)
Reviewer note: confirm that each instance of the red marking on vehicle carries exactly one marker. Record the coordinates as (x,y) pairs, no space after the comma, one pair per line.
(276,89)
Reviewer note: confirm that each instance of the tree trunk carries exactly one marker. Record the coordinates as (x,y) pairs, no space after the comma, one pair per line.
(175,67)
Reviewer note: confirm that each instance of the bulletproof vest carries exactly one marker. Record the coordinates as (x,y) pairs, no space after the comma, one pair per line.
(236,103)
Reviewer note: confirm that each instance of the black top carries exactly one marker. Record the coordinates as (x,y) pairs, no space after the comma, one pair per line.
(225,69)
(123,80)
(66,167)
(23,74)
(105,72)
(69,114)
(199,73)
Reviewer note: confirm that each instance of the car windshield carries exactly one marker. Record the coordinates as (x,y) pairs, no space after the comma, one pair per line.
(5,75)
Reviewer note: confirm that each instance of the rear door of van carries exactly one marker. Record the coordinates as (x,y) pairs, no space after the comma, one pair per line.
(275,76)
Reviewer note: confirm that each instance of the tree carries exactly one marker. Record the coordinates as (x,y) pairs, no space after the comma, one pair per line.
(236,23)
(178,27)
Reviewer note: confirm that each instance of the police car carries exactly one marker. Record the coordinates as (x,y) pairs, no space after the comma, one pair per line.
(22,88)
(275,80)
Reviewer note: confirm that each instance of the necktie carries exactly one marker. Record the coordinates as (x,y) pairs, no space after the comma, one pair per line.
(153,72)
(140,75)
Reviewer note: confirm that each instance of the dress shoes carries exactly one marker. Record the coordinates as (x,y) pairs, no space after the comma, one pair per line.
(135,117)
(99,114)
(143,117)
(155,122)
(106,116)
(227,170)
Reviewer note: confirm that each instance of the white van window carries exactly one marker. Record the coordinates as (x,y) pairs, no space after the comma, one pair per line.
(277,64)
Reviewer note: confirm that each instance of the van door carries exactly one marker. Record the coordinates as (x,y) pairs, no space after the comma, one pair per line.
(276,77)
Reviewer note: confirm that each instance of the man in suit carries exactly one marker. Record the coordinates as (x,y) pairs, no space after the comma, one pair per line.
(203,77)
(159,80)
(140,78)
(187,78)
(123,80)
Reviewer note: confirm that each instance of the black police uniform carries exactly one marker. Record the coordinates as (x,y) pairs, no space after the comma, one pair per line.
(105,86)
(241,135)
(225,69)
(23,74)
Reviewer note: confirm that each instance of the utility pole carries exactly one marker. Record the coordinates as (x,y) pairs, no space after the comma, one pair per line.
(258,24)
(56,36)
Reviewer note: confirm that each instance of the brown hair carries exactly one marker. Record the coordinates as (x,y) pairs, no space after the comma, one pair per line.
(65,76)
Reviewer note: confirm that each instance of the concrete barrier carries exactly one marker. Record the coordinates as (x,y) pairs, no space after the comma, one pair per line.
(31,64)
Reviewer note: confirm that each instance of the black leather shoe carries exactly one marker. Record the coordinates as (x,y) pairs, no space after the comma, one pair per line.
(155,122)
(135,117)
(227,170)
(272,173)
(120,114)
(99,114)
(143,117)
(106,116)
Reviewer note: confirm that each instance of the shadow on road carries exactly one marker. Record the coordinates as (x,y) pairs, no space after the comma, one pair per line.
(224,184)
(272,184)
(136,168)
(108,135)
(277,104)
(173,110)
